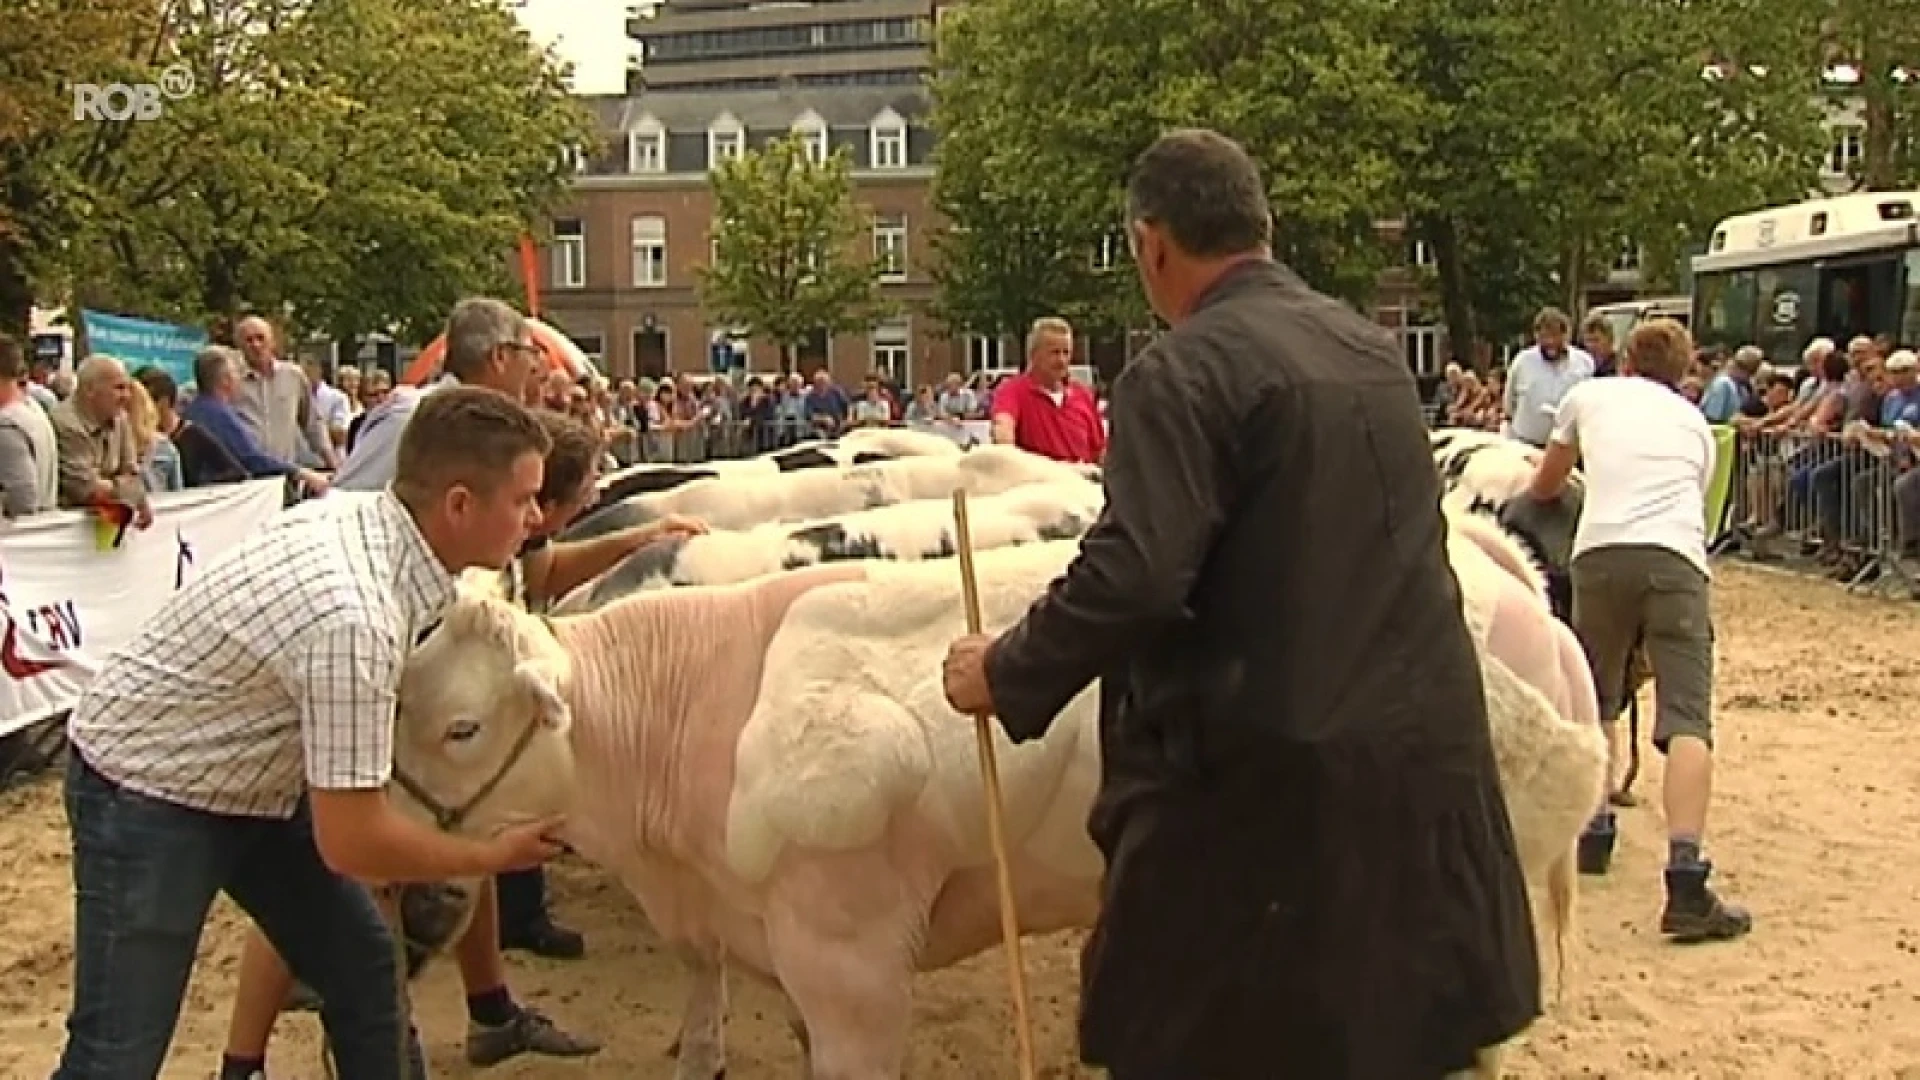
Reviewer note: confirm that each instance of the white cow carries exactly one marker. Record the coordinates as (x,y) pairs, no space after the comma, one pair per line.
(922,529)
(742,502)
(771,769)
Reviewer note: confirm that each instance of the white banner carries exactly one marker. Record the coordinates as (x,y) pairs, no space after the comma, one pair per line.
(66,603)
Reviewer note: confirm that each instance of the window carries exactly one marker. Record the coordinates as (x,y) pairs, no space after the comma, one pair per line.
(1422,345)
(593,345)
(726,139)
(1419,254)
(1106,253)
(1846,150)
(887,141)
(569,254)
(985,353)
(649,251)
(1628,260)
(574,160)
(892,354)
(890,246)
(647,147)
(813,134)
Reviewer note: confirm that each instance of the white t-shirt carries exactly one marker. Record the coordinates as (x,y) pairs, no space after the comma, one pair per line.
(1648,457)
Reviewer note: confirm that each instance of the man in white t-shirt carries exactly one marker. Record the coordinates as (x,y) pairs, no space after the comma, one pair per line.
(1640,574)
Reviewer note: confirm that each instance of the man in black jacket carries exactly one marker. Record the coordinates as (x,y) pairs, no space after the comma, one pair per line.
(1310,870)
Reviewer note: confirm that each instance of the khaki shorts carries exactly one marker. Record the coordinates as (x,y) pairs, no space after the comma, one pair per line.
(1630,593)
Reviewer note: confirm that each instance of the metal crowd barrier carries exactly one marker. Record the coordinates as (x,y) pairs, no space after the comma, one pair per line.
(1828,504)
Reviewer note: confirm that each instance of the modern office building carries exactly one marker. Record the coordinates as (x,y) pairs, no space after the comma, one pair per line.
(704,45)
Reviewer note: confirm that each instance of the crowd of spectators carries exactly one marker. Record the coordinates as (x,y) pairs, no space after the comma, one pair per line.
(1825,450)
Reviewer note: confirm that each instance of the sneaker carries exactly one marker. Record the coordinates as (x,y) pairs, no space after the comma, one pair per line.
(1694,913)
(527,1033)
(546,938)
(1596,849)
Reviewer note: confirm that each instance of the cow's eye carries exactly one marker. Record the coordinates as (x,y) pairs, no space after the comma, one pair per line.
(462,730)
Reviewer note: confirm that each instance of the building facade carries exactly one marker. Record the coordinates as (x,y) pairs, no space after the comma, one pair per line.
(620,273)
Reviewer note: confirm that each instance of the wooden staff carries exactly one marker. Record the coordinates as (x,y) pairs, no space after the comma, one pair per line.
(996,825)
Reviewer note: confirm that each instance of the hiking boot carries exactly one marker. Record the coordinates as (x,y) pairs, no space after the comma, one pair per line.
(1596,848)
(1694,913)
(527,1033)
(546,938)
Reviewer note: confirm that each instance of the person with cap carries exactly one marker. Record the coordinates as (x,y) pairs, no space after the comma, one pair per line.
(1310,871)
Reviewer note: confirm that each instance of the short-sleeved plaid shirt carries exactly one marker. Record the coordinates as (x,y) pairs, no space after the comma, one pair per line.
(276,669)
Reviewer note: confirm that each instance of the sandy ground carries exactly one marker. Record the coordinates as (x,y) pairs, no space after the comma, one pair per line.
(1814,827)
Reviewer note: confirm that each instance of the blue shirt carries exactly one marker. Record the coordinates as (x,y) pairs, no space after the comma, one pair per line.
(1722,401)
(1900,405)
(222,421)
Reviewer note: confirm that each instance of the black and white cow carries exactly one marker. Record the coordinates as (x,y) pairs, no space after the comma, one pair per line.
(742,502)
(905,532)
(1488,474)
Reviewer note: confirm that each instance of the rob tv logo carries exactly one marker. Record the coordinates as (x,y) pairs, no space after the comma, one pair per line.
(117,102)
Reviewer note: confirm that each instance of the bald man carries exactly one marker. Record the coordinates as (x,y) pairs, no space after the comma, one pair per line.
(99,462)
(276,399)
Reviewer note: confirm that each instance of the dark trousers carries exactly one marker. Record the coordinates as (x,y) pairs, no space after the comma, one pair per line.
(145,873)
(523,902)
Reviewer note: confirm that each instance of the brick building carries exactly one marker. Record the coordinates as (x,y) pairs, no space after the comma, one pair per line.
(620,270)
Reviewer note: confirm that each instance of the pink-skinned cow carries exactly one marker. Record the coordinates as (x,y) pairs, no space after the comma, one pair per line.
(772,771)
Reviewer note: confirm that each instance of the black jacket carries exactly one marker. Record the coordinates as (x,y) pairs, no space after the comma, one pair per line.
(1310,870)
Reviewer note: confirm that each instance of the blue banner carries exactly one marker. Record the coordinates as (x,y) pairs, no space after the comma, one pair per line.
(138,343)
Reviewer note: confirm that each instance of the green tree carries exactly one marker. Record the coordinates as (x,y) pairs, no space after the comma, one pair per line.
(790,248)
(1880,40)
(355,165)
(46,47)
(1042,105)
(1565,132)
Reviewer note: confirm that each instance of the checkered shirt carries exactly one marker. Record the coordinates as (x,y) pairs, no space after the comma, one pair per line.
(274,670)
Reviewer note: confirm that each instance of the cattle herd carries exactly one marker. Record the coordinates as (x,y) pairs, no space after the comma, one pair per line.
(747,728)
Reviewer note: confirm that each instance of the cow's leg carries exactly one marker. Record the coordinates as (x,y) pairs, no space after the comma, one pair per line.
(842,930)
(701,1049)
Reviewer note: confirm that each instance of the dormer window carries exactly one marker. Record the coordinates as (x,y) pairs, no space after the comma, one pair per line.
(647,147)
(887,141)
(813,134)
(726,140)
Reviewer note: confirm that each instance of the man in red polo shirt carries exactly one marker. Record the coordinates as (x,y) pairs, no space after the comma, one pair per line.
(1043,410)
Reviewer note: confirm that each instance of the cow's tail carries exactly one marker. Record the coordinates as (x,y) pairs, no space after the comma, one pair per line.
(1562,889)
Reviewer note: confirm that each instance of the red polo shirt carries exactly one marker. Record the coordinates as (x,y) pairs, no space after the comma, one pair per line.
(1069,430)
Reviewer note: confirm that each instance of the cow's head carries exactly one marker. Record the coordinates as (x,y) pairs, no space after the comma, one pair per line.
(481,741)
(1485,473)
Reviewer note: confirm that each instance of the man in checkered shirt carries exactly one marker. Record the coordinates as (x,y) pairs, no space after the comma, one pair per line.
(242,743)
(488,345)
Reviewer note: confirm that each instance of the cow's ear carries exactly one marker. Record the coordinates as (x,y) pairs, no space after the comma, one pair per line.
(540,685)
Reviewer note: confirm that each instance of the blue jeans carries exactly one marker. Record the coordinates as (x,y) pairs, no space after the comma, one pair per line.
(145,873)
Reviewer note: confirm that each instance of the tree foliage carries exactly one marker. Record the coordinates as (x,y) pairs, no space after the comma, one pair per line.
(1529,143)
(1042,106)
(792,258)
(355,165)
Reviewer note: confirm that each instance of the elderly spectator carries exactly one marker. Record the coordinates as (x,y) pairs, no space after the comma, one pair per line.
(790,412)
(159,458)
(98,462)
(759,411)
(1043,410)
(40,373)
(1730,391)
(29,452)
(273,397)
(1540,376)
(215,410)
(203,460)
(956,401)
(826,406)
